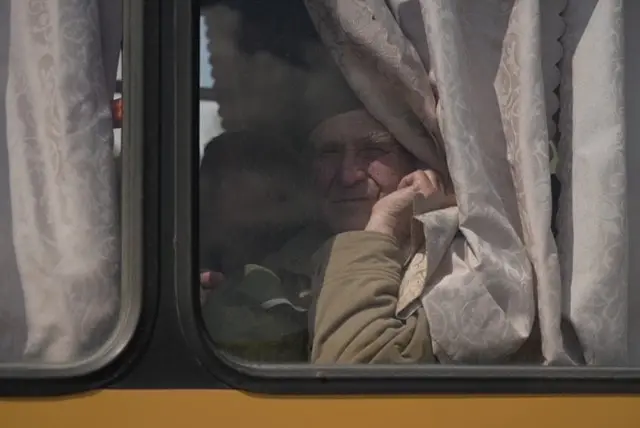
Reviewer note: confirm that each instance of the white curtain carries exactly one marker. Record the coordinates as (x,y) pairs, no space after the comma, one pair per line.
(593,214)
(474,85)
(61,242)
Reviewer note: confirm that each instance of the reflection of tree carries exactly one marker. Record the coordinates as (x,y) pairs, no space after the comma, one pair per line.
(282,28)
(271,71)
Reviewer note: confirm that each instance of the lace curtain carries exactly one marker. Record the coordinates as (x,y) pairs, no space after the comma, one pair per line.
(481,89)
(60,251)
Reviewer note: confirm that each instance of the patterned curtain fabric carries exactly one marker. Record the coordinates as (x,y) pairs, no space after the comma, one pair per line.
(476,89)
(594,212)
(61,70)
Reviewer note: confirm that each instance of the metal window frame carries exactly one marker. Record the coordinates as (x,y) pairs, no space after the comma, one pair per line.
(366,379)
(139,293)
(180,353)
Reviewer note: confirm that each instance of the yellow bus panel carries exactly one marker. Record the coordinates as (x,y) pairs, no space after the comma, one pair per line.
(230,408)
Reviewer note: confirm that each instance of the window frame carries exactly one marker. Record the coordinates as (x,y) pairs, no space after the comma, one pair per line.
(171,349)
(352,379)
(138,216)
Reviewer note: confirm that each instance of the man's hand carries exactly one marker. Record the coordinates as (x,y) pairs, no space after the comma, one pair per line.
(208,281)
(392,214)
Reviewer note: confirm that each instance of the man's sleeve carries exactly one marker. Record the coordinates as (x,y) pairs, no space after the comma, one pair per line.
(355,309)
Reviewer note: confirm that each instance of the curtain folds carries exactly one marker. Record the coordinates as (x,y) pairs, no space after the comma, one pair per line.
(478,87)
(62,61)
(480,90)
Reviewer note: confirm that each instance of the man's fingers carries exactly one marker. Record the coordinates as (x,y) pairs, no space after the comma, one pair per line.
(210,279)
(426,182)
(425,185)
(422,179)
(435,179)
(407,181)
(205,278)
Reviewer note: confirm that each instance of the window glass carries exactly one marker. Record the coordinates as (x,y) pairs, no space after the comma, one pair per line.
(414,182)
(61,296)
(210,125)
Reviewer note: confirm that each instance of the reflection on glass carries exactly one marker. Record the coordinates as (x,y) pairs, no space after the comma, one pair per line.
(384,190)
(210,125)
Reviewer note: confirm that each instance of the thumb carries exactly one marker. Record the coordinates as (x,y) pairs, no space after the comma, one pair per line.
(402,194)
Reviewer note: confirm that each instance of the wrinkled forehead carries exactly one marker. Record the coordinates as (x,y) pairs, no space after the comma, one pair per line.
(351,127)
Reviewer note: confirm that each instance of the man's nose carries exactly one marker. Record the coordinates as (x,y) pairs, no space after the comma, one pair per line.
(351,171)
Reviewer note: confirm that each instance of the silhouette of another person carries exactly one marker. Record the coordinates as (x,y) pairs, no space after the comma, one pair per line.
(258,233)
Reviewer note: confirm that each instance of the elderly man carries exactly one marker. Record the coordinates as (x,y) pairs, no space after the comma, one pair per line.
(368,183)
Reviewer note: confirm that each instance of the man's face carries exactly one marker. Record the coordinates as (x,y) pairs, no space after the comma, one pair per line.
(357,162)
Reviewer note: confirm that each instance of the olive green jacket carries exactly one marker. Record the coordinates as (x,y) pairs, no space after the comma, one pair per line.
(354,317)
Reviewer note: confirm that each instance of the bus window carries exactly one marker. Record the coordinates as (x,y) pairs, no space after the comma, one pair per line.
(64,307)
(413,182)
